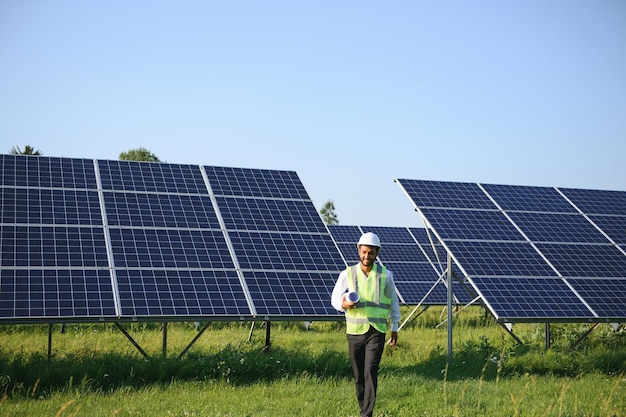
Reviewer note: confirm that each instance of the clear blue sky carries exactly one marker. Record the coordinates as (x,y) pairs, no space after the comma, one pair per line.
(349,94)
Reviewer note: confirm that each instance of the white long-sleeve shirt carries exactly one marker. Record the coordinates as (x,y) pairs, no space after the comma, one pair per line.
(341,287)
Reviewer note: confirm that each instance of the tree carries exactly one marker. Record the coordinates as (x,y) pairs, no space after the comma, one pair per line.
(28,150)
(139,154)
(328,213)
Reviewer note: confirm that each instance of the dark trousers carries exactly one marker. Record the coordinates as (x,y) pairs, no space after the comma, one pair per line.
(365,351)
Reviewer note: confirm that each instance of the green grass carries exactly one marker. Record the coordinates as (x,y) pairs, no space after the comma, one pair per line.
(95,371)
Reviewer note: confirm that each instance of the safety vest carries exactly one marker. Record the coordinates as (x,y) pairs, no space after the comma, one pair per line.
(373,306)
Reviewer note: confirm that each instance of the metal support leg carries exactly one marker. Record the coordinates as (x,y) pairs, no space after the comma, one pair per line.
(267,336)
(449,309)
(164,346)
(129,337)
(49,343)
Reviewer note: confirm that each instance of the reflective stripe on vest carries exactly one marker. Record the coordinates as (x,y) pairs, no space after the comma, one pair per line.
(373,307)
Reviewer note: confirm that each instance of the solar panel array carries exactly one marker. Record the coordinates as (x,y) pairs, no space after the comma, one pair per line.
(90,240)
(410,255)
(533,253)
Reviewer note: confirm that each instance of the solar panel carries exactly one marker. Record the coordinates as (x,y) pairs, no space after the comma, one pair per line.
(53,255)
(532,253)
(120,240)
(524,298)
(557,227)
(597,201)
(527,198)
(482,258)
(247,182)
(181,293)
(151,177)
(606,296)
(441,194)
(414,292)
(613,226)
(346,234)
(586,260)
(269,215)
(37,293)
(391,234)
(160,210)
(472,224)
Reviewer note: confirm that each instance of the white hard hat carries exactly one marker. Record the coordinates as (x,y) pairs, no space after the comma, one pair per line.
(369,239)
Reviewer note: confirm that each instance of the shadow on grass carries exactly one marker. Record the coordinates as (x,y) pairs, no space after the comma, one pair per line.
(32,374)
(246,363)
(477,361)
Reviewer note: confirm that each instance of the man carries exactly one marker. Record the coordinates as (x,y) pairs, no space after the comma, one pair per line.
(366,319)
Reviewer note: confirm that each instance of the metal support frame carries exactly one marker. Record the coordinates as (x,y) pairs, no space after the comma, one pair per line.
(450,323)
(268,331)
(49,343)
(193,341)
(420,304)
(268,327)
(164,343)
(458,311)
(583,337)
(129,337)
(509,330)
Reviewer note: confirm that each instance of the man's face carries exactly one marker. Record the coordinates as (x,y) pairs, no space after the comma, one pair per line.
(367,254)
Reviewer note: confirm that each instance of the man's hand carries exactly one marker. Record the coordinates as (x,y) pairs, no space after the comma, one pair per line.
(394,339)
(345,304)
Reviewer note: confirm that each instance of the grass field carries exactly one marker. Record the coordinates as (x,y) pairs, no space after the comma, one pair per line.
(95,371)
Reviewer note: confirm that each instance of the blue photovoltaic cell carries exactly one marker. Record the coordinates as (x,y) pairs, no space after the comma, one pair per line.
(446,194)
(414,293)
(349,252)
(413,271)
(270,215)
(415,280)
(531,298)
(391,234)
(285,251)
(160,210)
(440,257)
(35,171)
(597,201)
(555,227)
(343,233)
(613,226)
(151,177)
(398,252)
(423,235)
(169,248)
(47,206)
(55,293)
(607,297)
(255,183)
(426,240)
(463,293)
(585,260)
(52,246)
(292,293)
(505,259)
(471,225)
(177,292)
(526,198)
(425,273)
